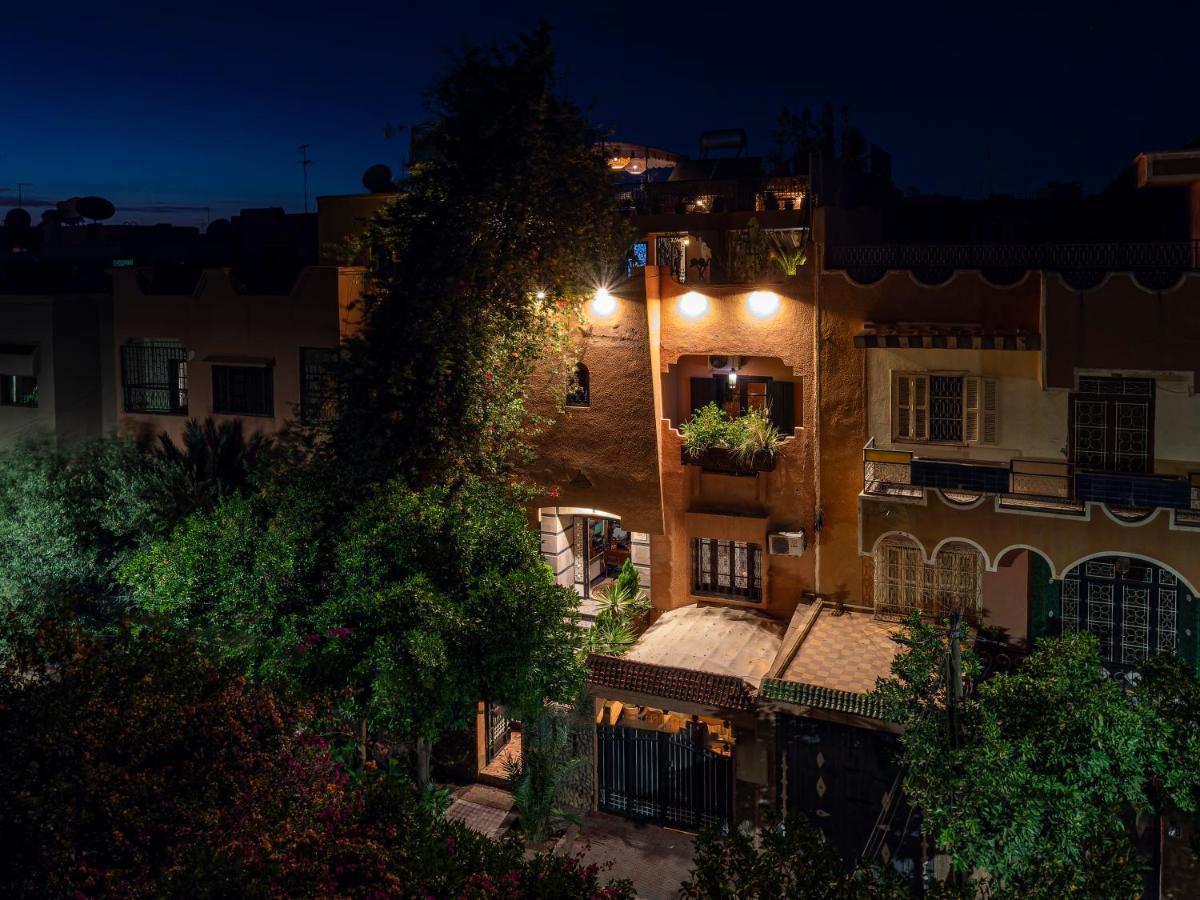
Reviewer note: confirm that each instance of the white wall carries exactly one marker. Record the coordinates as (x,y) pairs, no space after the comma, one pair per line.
(1032,421)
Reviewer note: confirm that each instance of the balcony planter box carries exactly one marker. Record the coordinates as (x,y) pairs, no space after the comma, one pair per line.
(723,462)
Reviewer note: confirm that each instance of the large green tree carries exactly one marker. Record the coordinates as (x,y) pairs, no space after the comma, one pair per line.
(136,766)
(505,223)
(1046,766)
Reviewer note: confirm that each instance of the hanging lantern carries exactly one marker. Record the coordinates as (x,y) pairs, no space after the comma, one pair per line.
(636,166)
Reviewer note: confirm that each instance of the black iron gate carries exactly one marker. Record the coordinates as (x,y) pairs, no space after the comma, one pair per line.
(499,729)
(845,780)
(667,778)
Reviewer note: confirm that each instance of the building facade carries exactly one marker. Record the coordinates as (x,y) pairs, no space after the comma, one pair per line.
(1007,431)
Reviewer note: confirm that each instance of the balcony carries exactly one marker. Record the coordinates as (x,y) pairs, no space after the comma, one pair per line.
(705,197)
(1030,485)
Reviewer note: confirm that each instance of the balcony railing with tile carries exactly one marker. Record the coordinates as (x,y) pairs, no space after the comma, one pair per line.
(1028,484)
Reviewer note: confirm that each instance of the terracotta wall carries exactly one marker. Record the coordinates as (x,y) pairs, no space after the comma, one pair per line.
(604,456)
(1120,325)
(216,321)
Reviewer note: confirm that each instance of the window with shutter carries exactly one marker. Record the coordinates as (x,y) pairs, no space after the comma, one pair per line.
(911,409)
(946,409)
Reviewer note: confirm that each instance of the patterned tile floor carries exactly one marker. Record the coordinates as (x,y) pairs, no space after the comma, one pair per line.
(483,809)
(846,652)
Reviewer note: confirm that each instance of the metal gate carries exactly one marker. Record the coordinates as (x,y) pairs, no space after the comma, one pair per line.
(660,777)
(499,729)
(845,780)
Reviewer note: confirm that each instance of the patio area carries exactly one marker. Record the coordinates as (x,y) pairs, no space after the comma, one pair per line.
(657,860)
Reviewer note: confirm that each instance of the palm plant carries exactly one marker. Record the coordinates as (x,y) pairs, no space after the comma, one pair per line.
(213,461)
(609,636)
(619,601)
(789,250)
(541,773)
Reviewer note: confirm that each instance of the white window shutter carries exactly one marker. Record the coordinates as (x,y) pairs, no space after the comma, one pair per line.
(989,432)
(971,409)
(902,407)
(920,407)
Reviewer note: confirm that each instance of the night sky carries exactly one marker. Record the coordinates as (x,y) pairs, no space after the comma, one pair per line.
(174,108)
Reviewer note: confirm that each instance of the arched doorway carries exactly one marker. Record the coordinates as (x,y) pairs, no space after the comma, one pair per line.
(1134,607)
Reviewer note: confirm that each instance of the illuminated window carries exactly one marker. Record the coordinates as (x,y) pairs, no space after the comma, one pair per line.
(727,569)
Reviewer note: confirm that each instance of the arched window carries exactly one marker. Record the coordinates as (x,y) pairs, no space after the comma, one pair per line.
(904,581)
(1132,606)
(579,391)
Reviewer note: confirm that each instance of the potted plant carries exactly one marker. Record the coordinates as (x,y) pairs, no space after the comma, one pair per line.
(740,446)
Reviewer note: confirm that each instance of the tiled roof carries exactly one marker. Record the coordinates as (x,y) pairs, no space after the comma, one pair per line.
(822,698)
(932,335)
(704,688)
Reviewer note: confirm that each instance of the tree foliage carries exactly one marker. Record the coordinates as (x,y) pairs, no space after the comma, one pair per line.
(1052,763)
(789,859)
(508,197)
(137,767)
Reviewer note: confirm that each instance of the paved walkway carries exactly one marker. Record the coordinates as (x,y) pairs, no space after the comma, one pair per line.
(657,860)
(481,808)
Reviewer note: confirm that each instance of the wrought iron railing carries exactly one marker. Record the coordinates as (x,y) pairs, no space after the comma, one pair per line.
(1025,483)
(1114,256)
(715,196)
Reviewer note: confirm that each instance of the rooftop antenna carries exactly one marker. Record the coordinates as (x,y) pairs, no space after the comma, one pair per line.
(305,162)
(21,185)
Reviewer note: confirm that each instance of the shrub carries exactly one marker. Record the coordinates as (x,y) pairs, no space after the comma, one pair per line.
(746,437)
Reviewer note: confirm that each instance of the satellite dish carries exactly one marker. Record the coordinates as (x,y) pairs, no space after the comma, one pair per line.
(18,218)
(219,229)
(68,213)
(95,208)
(378,179)
(51,217)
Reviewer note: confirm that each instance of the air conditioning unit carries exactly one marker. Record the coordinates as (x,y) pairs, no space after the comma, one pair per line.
(786,543)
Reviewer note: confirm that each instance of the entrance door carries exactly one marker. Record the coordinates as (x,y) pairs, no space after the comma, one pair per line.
(1132,607)
(1112,425)
(845,780)
(661,777)
(499,729)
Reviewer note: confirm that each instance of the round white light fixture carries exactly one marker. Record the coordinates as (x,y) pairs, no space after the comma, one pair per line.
(541,295)
(636,166)
(693,305)
(603,303)
(763,304)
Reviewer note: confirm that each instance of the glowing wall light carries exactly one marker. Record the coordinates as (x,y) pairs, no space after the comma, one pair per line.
(693,305)
(763,304)
(603,303)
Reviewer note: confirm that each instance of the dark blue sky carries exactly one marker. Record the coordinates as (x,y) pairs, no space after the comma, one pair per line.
(170,108)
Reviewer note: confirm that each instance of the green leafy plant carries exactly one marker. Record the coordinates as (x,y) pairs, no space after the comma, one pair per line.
(789,859)
(789,250)
(747,437)
(541,773)
(618,601)
(757,435)
(749,253)
(609,636)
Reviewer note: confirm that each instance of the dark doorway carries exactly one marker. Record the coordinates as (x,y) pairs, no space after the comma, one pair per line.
(846,781)
(1112,425)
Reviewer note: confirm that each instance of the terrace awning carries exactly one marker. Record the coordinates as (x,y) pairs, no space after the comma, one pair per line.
(944,336)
